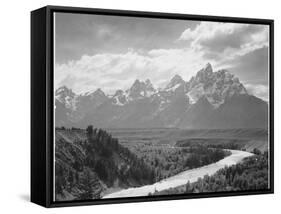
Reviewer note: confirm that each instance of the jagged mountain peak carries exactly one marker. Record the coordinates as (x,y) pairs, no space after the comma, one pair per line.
(137,82)
(137,85)
(64,90)
(204,74)
(216,86)
(94,94)
(208,68)
(141,89)
(119,98)
(148,82)
(98,92)
(177,78)
(63,87)
(179,104)
(118,92)
(149,86)
(175,82)
(66,97)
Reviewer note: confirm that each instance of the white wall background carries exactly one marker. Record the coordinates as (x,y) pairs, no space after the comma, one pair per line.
(15,106)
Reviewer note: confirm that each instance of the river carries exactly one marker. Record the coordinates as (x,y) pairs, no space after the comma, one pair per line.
(182,178)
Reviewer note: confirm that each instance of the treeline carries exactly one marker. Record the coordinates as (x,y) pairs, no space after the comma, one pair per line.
(171,161)
(202,155)
(85,169)
(88,162)
(251,174)
(100,150)
(235,144)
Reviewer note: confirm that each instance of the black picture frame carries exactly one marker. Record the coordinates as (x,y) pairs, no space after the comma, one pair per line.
(42,103)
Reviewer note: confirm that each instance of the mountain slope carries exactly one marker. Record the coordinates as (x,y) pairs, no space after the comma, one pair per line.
(208,100)
(89,163)
(239,111)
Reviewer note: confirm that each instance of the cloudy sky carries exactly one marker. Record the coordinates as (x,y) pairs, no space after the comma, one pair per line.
(110,52)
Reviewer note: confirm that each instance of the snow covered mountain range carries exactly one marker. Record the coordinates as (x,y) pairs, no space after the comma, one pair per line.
(208,100)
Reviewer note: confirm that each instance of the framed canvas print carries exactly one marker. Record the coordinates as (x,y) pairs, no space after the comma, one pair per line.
(133,106)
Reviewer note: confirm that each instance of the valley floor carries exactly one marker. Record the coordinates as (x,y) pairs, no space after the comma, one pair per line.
(183,177)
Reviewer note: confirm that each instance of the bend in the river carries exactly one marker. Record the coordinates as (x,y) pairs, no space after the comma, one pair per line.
(182,178)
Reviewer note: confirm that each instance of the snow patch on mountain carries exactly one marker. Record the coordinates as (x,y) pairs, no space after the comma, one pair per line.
(166,105)
(215,86)
(67,97)
(175,82)
(195,93)
(140,90)
(120,98)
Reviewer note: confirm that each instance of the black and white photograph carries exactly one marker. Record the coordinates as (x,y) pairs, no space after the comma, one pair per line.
(148,107)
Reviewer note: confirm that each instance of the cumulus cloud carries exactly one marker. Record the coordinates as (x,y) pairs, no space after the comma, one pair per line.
(224,45)
(226,40)
(119,71)
(99,71)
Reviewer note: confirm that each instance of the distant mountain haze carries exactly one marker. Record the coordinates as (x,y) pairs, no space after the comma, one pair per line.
(208,100)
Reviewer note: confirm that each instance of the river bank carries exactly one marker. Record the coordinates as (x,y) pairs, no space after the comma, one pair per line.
(183,177)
